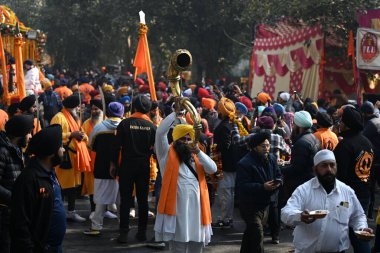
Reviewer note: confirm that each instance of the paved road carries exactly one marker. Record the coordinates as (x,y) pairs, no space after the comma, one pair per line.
(223,241)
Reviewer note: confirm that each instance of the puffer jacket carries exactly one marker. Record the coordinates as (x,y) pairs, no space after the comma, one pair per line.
(11,164)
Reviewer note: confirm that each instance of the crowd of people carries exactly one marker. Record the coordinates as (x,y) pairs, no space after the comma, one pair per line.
(277,159)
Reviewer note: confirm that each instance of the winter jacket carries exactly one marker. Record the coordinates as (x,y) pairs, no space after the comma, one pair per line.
(372,132)
(32,205)
(251,175)
(52,104)
(354,157)
(231,154)
(301,168)
(11,165)
(104,142)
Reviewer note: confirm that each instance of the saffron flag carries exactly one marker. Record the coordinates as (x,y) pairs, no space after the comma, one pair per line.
(142,61)
(19,67)
(4,73)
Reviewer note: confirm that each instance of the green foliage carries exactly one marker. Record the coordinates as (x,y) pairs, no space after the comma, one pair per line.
(218,33)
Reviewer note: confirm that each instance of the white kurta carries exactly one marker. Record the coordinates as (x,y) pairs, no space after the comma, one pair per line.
(186,225)
(32,80)
(331,233)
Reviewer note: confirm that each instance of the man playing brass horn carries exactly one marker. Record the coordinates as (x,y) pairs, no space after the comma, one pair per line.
(184,215)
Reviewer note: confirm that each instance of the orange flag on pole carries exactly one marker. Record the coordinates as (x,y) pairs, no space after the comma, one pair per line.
(351,52)
(142,61)
(19,67)
(4,73)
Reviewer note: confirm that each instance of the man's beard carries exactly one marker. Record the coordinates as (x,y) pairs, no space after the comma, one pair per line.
(326,180)
(74,113)
(56,160)
(96,116)
(22,142)
(183,151)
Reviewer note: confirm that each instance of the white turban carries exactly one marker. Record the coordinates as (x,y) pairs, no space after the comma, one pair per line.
(285,96)
(323,155)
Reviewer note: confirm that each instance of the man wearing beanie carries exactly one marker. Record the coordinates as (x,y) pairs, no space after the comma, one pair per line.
(17,133)
(28,106)
(38,215)
(50,101)
(184,215)
(258,178)
(224,200)
(136,136)
(96,116)
(354,156)
(104,143)
(75,141)
(305,146)
(326,137)
(324,192)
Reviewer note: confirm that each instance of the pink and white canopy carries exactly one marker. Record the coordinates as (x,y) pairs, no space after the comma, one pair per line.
(286,58)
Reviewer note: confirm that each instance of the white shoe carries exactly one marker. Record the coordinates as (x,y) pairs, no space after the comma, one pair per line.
(112,208)
(110,215)
(73,216)
(132,213)
(150,214)
(91,215)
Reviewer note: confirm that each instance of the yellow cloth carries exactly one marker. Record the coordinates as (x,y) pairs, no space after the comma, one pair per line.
(46,83)
(68,178)
(226,107)
(181,130)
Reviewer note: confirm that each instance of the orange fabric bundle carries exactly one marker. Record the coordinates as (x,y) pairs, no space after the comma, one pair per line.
(168,198)
(82,161)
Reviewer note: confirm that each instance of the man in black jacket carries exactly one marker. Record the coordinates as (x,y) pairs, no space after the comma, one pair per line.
(354,156)
(38,215)
(258,178)
(18,132)
(136,136)
(305,146)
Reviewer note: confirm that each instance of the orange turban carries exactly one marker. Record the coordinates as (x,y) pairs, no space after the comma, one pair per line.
(122,90)
(263,97)
(46,83)
(189,120)
(208,103)
(226,106)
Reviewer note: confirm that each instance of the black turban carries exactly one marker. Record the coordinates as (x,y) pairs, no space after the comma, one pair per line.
(27,102)
(142,103)
(19,125)
(352,118)
(259,138)
(324,119)
(97,103)
(47,141)
(71,101)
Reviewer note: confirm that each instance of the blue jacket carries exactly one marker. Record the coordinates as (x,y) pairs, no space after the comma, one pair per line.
(251,175)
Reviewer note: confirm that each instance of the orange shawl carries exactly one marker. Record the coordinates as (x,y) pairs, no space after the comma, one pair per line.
(82,157)
(140,115)
(168,198)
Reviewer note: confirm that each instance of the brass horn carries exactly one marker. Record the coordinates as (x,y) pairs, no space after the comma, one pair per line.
(180,62)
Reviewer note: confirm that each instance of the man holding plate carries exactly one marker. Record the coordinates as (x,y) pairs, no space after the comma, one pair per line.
(323,209)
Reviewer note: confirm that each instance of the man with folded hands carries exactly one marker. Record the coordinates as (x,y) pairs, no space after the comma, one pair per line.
(324,192)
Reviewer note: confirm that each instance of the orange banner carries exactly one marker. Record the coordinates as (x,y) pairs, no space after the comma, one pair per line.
(142,61)
(4,73)
(19,67)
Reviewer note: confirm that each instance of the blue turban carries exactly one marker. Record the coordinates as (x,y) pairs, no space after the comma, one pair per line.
(241,107)
(125,99)
(279,108)
(303,119)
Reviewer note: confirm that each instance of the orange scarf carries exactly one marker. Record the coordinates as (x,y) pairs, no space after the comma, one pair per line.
(82,157)
(140,115)
(168,197)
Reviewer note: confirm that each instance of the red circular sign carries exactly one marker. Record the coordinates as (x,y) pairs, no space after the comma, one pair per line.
(368,47)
